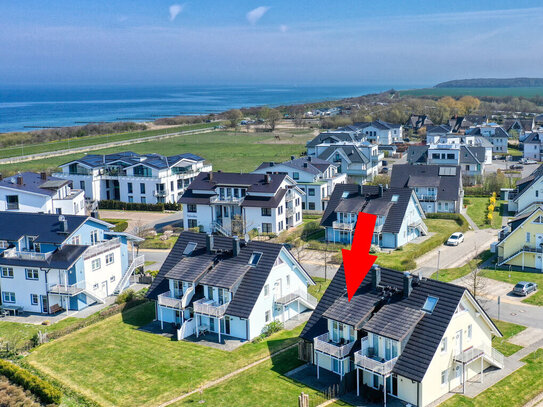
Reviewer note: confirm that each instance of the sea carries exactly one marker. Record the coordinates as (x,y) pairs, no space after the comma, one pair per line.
(25,108)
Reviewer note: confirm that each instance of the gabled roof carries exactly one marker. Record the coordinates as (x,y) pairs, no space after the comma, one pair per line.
(378,124)
(350,152)
(47,227)
(335,137)
(524,124)
(446,178)
(130,158)
(439,129)
(417,121)
(62,258)
(424,332)
(311,165)
(33,182)
(472,155)
(524,184)
(494,131)
(417,154)
(534,138)
(365,199)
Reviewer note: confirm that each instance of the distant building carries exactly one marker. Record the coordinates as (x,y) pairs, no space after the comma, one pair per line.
(533,146)
(400,217)
(438,187)
(418,121)
(234,204)
(131,177)
(472,160)
(346,135)
(523,127)
(381,132)
(316,177)
(495,134)
(32,192)
(528,193)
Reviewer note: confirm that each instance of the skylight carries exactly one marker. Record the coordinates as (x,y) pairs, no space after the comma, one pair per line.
(430,304)
(189,248)
(395,198)
(345,194)
(255,258)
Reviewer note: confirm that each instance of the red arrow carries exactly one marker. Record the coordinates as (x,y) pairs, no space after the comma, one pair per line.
(357,261)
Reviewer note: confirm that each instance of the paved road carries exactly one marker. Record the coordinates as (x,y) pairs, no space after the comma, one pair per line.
(158,256)
(523,314)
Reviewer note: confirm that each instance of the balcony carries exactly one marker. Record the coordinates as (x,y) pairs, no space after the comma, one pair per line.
(367,359)
(323,344)
(427,198)
(343,226)
(167,299)
(289,195)
(290,212)
(298,295)
(210,307)
(26,255)
(115,172)
(484,351)
(231,200)
(102,247)
(66,289)
(160,194)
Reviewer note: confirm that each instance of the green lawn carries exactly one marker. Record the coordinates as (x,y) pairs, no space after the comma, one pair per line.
(94,140)
(319,288)
(516,276)
(404,258)
(227,151)
(514,390)
(448,275)
(477,212)
(114,363)
(514,152)
(157,243)
(455,92)
(508,330)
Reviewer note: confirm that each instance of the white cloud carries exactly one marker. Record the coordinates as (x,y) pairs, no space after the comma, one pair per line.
(283,28)
(175,9)
(254,15)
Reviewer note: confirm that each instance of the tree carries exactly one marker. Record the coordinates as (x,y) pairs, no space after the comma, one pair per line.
(273,117)
(233,116)
(474,281)
(470,103)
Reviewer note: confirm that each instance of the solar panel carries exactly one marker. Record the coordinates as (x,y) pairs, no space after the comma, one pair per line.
(447,171)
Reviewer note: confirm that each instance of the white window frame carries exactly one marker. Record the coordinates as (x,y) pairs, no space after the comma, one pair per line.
(4,244)
(266,290)
(267,316)
(96,264)
(443,345)
(470,332)
(32,302)
(34,272)
(445,377)
(7,297)
(110,258)
(7,272)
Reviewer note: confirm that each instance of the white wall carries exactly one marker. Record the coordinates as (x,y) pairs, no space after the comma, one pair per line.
(104,274)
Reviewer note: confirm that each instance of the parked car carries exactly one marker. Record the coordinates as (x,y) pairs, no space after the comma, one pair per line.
(455,239)
(524,288)
(527,161)
(516,167)
(384,170)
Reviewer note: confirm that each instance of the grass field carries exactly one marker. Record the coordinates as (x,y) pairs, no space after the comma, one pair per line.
(516,276)
(455,92)
(16,333)
(227,151)
(508,330)
(514,390)
(115,363)
(448,275)
(75,142)
(319,288)
(477,212)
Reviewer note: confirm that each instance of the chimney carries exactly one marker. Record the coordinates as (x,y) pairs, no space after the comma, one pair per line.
(268,178)
(380,194)
(62,219)
(407,284)
(309,159)
(235,246)
(209,243)
(375,276)
(43,175)
(19,180)
(210,176)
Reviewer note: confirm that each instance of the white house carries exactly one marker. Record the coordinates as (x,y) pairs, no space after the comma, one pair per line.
(380,132)
(316,177)
(528,194)
(495,134)
(32,192)
(533,146)
(130,177)
(400,217)
(235,204)
(408,338)
(50,262)
(227,287)
(349,135)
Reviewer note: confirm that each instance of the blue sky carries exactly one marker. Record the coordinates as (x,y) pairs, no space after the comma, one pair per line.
(277,42)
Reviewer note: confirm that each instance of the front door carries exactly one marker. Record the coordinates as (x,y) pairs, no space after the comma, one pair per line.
(538,240)
(43,301)
(538,262)
(392,385)
(225,325)
(458,342)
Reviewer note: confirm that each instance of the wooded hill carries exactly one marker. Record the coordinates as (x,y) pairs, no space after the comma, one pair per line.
(492,83)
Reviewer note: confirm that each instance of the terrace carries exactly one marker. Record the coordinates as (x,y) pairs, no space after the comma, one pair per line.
(209,307)
(168,299)
(26,255)
(324,344)
(367,359)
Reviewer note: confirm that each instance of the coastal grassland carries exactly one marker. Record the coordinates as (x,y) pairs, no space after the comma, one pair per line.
(86,141)
(226,150)
(456,92)
(94,361)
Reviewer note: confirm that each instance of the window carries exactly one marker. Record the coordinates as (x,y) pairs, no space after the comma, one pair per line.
(444,377)
(295,175)
(336,365)
(429,304)
(13,202)
(34,299)
(280,210)
(130,189)
(189,248)
(538,220)
(280,226)
(191,208)
(266,290)
(210,293)
(311,206)
(470,331)
(255,258)
(536,194)
(82,184)
(131,199)
(143,199)
(266,211)
(7,272)
(94,237)
(8,297)
(32,274)
(76,240)
(112,279)
(266,228)
(267,316)
(527,237)
(395,198)
(311,191)
(345,194)
(4,244)
(142,188)
(192,223)
(172,185)
(443,346)
(96,264)
(110,258)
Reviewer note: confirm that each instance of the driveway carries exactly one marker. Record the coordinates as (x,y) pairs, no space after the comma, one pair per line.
(148,219)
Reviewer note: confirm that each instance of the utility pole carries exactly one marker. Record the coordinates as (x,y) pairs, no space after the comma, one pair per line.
(438,255)
(325,259)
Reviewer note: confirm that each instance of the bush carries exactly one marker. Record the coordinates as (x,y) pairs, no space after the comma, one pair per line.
(133,206)
(42,389)
(271,328)
(13,395)
(125,296)
(120,224)
(153,273)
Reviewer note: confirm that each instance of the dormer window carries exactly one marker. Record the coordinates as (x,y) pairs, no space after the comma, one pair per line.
(255,258)
(430,304)
(189,249)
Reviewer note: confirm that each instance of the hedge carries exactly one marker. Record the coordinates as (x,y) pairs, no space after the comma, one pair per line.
(120,224)
(43,390)
(135,206)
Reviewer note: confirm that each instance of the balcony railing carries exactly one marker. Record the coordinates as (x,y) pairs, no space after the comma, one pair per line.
(66,289)
(343,226)
(25,255)
(289,212)
(297,295)
(427,197)
(160,194)
(217,199)
(210,307)
(102,247)
(323,344)
(289,195)
(168,300)
(475,352)
(368,360)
